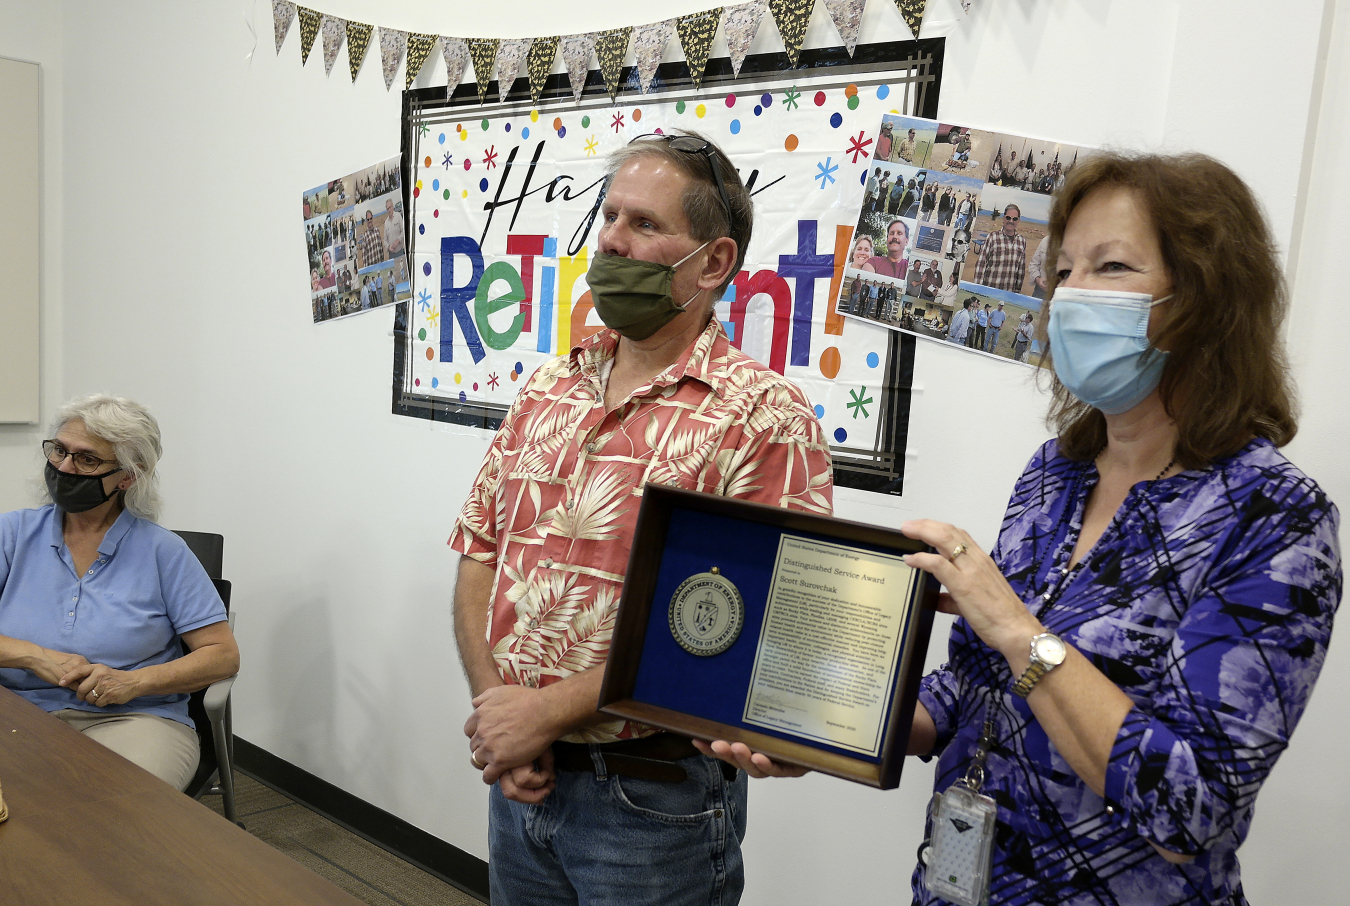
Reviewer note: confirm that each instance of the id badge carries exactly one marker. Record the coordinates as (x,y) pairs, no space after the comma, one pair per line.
(962,845)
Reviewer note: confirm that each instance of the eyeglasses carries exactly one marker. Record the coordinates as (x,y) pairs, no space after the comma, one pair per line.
(1011,219)
(85,463)
(687,144)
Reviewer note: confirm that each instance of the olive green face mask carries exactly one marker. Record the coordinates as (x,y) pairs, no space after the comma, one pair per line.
(634,297)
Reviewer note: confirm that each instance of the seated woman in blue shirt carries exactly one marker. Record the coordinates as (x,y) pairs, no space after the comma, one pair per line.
(94,596)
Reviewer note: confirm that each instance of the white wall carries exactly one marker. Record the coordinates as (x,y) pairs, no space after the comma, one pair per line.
(173,275)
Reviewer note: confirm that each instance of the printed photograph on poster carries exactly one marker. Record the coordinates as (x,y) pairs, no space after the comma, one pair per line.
(960,149)
(905,140)
(355,236)
(1008,230)
(1033,165)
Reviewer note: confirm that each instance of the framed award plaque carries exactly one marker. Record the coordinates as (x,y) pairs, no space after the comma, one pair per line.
(802,636)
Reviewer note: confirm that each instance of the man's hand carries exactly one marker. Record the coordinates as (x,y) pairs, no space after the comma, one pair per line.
(510,727)
(756,764)
(530,783)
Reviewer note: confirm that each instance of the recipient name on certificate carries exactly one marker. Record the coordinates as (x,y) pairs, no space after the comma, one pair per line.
(830,644)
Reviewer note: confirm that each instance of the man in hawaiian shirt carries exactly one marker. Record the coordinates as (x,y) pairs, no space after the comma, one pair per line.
(577,798)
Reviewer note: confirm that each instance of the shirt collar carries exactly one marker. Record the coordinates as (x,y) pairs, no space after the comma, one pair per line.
(115,533)
(703,361)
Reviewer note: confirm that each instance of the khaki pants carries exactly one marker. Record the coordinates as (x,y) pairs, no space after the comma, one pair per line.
(164,747)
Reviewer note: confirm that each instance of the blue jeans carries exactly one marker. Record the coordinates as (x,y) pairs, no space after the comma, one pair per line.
(601,839)
(992,341)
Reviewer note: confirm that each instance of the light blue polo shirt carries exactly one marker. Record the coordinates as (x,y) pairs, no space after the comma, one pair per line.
(143,590)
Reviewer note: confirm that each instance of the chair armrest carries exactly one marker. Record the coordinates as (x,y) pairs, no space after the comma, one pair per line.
(217,698)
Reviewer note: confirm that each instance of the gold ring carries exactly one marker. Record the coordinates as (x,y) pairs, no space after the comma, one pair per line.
(473,759)
(94,693)
(956,552)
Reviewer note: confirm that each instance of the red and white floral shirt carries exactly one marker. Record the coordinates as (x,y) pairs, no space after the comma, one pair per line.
(554,507)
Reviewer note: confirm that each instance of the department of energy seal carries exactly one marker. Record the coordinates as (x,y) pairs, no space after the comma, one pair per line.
(706,613)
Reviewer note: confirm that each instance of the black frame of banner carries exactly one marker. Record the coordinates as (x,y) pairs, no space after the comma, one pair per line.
(881,470)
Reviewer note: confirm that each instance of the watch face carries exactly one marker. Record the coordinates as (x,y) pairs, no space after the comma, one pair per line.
(1050,649)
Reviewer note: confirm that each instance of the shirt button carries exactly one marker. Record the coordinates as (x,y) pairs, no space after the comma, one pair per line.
(590,448)
(1110,810)
(72,613)
(534,624)
(90,573)
(548,564)
(74,599)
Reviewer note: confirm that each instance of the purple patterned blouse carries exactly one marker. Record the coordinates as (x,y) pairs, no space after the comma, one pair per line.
(1209,600)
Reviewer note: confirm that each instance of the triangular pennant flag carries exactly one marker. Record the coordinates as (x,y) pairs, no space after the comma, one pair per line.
(912,10)
(510,58)
(539,63)
(741,24)
(649,44)
(576,54)
(283,13)
(847,16)
(358,41)
(456,54)
(309,30)
(696,32)
(334,32)
(610,48)
(791,17)
(483,52)
(419,48)
(393,45)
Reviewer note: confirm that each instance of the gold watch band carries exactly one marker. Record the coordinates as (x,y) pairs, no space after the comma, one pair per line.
(1030,677)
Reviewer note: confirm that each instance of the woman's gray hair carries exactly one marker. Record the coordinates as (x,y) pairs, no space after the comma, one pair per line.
(134,435)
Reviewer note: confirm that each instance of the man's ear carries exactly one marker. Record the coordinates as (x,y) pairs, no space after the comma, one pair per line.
(721,259)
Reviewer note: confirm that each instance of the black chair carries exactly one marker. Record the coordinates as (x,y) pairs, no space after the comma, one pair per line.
(209,708)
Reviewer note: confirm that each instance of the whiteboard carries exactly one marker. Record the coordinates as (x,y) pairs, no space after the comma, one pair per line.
(19,149)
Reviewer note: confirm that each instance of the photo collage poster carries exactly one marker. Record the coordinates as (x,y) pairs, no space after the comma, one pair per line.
(951,238)
(355,235)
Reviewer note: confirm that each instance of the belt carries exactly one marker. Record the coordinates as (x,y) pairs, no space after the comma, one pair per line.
(648,758)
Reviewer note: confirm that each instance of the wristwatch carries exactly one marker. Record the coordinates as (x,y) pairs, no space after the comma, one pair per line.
(1047,653)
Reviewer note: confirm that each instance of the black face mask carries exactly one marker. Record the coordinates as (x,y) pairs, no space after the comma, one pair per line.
(77,493)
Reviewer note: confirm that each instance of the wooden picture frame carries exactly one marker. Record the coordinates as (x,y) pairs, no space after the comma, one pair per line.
(652,679)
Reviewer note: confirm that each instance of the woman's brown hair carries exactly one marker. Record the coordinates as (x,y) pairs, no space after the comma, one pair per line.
(1226,378)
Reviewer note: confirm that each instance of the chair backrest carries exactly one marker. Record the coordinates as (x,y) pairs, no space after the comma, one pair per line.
(209,548)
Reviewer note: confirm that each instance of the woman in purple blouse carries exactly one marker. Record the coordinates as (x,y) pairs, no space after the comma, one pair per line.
(1145,634)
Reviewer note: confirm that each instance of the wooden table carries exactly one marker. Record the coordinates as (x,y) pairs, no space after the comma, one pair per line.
(88,826)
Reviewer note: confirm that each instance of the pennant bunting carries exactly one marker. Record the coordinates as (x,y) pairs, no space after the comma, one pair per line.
(696,32)
(576,54)
(309,30)
(741,24)
(610,48)
(483,52)
(791,17)
(847,17)
(912,10)
(334,32)
(420,48)
(283,13)
(358,41)
(539,63)
(393,45)
(649,44)
(510,59)
(456,54)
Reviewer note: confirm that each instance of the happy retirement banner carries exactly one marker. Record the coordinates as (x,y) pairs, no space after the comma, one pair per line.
(504,226)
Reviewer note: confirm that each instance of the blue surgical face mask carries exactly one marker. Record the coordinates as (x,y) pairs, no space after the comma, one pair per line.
(1099,345)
